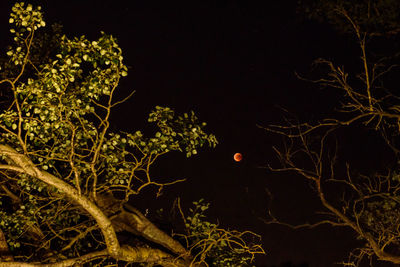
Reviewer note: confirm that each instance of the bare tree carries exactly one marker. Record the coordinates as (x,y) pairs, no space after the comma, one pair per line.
(369,202)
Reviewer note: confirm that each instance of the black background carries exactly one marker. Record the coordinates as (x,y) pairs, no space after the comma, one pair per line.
(233,63)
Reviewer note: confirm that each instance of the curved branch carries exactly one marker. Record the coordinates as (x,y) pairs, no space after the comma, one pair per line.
(132,220)
(127,253)
(148,230)
(24,165)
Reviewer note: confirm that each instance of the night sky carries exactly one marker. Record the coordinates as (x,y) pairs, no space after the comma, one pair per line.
(233,63)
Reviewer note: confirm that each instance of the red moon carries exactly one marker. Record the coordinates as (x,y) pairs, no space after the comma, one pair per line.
(238,157)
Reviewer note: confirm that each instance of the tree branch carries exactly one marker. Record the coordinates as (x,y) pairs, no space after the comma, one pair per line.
(24,165)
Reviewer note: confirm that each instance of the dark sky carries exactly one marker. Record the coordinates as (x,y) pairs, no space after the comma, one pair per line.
(233,63)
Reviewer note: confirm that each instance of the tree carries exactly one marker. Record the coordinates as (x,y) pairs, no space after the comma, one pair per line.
(365,201)
(66,178)
(375,18)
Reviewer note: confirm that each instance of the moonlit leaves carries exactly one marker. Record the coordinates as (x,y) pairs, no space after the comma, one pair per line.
(183,133)
(17,55)
(26,18)
(179,133)
(60,118)
(221,245)
(9,119)
(105,58)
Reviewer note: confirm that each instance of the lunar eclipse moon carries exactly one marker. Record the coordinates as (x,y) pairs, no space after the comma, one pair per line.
(238,157)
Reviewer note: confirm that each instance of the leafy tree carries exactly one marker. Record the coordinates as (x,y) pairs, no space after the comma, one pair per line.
(366,201)
(66,179)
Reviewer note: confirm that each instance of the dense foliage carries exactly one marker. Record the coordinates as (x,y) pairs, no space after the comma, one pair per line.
(66,178)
